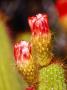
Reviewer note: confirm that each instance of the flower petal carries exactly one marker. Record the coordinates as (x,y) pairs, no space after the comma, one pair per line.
(38,24)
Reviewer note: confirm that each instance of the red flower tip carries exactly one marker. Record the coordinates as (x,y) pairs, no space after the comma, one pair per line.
(38,24)
(30,88)
(22,51)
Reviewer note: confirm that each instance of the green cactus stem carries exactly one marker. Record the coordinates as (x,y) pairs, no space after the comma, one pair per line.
(41,49)
(52,78)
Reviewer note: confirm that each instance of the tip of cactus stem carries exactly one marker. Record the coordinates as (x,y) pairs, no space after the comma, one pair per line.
(39,24)
(22,51)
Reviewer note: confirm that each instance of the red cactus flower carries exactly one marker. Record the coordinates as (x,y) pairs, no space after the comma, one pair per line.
(38,24)
(22,51)
(30,88)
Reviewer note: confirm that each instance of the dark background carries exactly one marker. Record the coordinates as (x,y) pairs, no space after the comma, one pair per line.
(18,12)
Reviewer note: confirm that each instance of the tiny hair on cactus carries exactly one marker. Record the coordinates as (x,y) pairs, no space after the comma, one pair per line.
(39,24)
(22,51)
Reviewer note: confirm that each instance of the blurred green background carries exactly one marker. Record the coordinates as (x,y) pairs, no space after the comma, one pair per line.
(9,78)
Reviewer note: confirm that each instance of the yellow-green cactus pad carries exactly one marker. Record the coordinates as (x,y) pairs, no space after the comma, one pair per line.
(52,78)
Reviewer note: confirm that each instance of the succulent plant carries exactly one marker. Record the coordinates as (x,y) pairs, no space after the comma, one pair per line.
(24,62)
(52,78)
(34,60)
(41,39)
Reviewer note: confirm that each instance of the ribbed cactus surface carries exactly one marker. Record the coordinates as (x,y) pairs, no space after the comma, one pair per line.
(52,78)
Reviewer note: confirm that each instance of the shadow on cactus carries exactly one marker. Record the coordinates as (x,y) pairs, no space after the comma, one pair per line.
(35,60)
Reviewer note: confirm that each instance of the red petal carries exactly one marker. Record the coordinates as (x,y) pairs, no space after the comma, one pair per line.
(38,24)
(30,88)
(22,51)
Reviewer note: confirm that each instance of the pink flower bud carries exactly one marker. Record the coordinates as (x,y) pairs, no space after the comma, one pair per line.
(22,51)
(38,24)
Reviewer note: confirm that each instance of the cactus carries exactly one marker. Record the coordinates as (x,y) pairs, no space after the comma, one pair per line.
(9,80)
(52,78)
(41,39)
(50,73)
(25,64)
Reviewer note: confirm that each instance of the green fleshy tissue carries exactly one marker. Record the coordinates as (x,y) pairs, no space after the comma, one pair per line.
(51,78)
